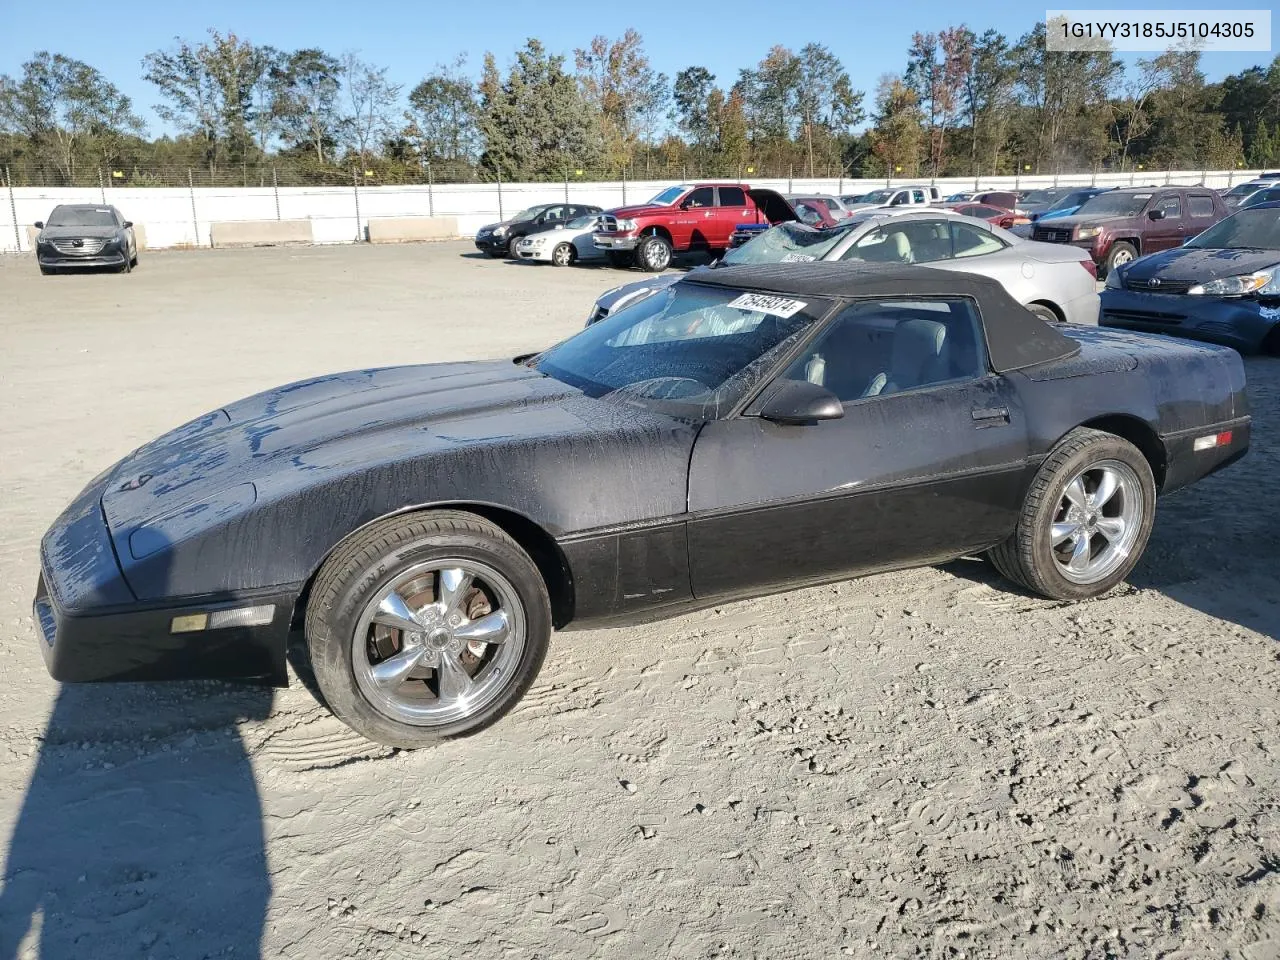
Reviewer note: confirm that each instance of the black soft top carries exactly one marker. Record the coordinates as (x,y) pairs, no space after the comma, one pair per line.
(1015,337)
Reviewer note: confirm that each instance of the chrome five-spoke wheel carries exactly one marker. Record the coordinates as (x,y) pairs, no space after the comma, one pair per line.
(438,642)
(1097,521)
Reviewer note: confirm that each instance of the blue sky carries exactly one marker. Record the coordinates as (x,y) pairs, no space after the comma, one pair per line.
(412,37)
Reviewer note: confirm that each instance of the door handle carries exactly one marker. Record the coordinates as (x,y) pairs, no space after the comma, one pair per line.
(990,416)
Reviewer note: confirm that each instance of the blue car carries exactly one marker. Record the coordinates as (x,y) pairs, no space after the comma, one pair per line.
(1068,203)
(1222,286)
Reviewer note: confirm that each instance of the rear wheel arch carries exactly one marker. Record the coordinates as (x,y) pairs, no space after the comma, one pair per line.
(1050,306)
(1139,433)
(528,534)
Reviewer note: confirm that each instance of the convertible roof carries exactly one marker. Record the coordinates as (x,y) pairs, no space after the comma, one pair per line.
(1015,337)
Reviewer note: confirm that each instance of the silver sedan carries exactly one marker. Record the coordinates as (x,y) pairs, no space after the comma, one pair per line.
(1056,282)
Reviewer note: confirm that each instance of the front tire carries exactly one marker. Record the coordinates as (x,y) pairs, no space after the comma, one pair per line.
(653,254)
(562,255)
(511,248)
(1121,252)
(1041,312)
(427,626)
(1085,521)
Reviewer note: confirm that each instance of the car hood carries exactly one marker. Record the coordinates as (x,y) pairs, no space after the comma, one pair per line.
(276,442)
(1076,220)
(1199,265)
(490,227)
(642,210)
(68,233)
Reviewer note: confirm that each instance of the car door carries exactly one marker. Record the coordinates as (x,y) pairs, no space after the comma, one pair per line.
(693,217)
(733,207)
(928,461)
(1199,214)
(1169,230)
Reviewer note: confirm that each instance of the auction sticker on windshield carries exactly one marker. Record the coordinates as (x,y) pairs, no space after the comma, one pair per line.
(774,306)
(797,258)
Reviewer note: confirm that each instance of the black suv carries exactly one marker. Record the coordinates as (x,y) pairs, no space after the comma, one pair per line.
(500,239)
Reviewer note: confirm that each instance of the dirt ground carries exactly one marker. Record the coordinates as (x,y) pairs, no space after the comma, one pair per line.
(924,764)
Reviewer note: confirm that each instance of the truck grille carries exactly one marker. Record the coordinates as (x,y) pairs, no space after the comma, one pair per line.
(606,224)
(80,247)
(1155,285)
(1049,235)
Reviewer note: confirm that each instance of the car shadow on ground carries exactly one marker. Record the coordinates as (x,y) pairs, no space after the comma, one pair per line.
(141,830)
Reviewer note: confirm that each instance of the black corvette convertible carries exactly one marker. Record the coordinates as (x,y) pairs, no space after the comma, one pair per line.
(747,430)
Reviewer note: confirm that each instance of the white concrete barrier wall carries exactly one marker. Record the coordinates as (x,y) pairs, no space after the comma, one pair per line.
(179,217)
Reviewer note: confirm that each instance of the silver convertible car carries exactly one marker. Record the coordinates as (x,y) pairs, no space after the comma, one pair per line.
(1056,282)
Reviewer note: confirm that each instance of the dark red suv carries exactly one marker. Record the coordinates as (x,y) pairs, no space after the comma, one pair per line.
(1120,225)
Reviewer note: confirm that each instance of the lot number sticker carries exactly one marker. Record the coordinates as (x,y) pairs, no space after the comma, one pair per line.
(774,306)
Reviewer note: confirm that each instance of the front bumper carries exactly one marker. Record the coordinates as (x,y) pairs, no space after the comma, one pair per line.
(614,241)
(525,251)
(48,257)
(1237,322)
(92,628)
(491,244)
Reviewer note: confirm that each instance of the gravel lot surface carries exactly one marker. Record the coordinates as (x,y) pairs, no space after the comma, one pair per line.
(925,764)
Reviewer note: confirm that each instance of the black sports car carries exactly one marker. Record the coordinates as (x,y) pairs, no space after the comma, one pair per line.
(83,235)
(747,430)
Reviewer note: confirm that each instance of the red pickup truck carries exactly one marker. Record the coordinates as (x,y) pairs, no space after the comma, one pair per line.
(699,216)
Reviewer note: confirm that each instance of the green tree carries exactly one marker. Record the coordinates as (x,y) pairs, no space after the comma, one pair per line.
(690,95)
(898,134)
(623,91)
(307,84)
(371,101)
(444,115)
(66,111)
(535,122)
(987,91)
(823,99)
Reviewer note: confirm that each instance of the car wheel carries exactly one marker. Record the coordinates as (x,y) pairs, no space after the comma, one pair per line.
(426,626)
(562,255)
(653,254)
(511,248)
(127,266)
(1085,521)
(1043,312)
(618,258)
(1121,253)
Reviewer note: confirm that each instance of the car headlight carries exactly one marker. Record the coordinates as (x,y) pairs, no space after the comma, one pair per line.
(625,225)
(1087,233)
(499,231)
(1115,281)
(535,241)
(1263,281)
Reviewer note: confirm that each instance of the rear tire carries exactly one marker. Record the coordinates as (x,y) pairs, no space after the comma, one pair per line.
(1042,312)
(653,254)
(1121,252)
(1061,499)
(562,255)
(407,558)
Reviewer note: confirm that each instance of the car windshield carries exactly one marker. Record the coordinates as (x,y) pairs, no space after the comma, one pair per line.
(1247,230)
(1262,196)
(1242,189)
(1035,198)
(528,214)
(669,196)
(878,196)
(691,350)
(1114,205)
(81,217)
(1071,200)
(785,243)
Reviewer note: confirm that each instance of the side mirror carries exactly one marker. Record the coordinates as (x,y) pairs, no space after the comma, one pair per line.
(128,224)
(39,224)
(799,402)
(1155,214)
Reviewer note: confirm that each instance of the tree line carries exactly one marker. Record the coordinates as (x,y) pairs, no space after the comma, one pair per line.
(965,104)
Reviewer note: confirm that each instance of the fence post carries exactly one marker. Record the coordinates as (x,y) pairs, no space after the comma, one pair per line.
(790,172)
(431,198)
(13,211)
(275,189)
(624,186)
(102,188)
(195,223)
(500,216)
(566,186)
(355,188)
(1168,177)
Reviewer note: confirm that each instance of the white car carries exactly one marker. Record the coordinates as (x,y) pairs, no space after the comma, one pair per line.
(562,244)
